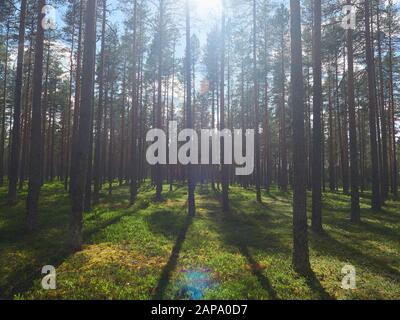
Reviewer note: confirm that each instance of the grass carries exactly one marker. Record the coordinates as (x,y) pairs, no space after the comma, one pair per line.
(154,250)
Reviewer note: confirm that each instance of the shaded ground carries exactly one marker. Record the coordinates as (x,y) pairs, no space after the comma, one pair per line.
(154,250)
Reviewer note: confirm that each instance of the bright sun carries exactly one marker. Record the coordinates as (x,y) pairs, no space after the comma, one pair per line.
(204,8)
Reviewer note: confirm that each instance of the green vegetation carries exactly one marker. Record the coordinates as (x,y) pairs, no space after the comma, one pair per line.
(246,255)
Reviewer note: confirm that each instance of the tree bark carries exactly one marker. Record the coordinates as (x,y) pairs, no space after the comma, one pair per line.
(355,198)
(99,115)
(3,111)
(81,160)
(256,108)
(189,119)
(317,104)
(301,262)
(75,125)
(376,192)
(133,167)
(16,130)
(35,158)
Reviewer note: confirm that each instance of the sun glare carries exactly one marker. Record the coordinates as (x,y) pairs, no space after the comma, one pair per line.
(205,8)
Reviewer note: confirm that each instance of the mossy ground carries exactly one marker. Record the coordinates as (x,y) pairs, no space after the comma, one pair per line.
(147,250)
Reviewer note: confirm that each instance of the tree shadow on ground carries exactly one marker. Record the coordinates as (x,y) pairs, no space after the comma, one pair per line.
(315,285)
(166,222)
(245,232)
(252,228)
(365,228)
(88,233)
(262,279)
(22,278)
(326,244)
(172,261)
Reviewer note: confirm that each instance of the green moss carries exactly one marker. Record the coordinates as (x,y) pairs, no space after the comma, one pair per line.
(144,251)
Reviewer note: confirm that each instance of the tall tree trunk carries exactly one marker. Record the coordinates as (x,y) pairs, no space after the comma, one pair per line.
(159,178)
(111,149)
(189,118)
(283,176)
(75,125)
(3,111)
(355,198)
(133,167)
(267,131)
(301,262)
(35,158)
(317,104)
(85,110)
(385,161)
(45,108)
(394,173)
(172,112)
(256,107)
(121,169)
(332,185)
(16,135)
(224,167)
(376,192)
(52,145)
(67,135)
(99,116)
(87,202)
(345,125)
(27,112)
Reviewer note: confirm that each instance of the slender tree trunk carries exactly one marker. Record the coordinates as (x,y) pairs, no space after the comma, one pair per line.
(133,167)
(3,111)
(66,153)
(189,118)
(301,262)
(121,169)
(267,131)
(213,84)
(52,137)
(87,202)
(16,135)
(99,116)
(317,104)
(394,175)
(45,109)
(27,113)
(159,178)
(355,198)
(376,192)
(35,159)
(385,161)
(77,99)
(224,167)
(172,111)
(111,149)
(283,176)
(332,185)
(345,126)
(85,110)
(256,107)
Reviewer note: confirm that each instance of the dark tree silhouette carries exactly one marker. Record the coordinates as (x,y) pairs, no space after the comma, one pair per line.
(16,135)
(35,158)
(85,115)
(355,201)
(376,202)
(300,239)
(317,105)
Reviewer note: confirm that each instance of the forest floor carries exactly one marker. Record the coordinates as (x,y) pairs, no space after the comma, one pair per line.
(154,250)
